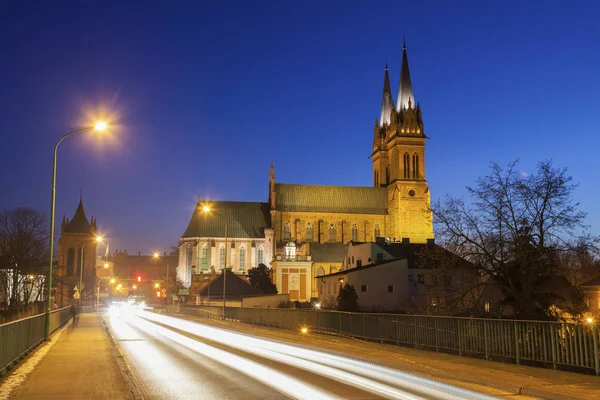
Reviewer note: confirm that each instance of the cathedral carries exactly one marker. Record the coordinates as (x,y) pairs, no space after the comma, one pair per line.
(303,231)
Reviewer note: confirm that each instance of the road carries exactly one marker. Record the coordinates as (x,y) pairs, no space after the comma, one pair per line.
(174,358)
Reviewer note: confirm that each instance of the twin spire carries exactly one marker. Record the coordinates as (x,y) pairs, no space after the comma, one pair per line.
(405,93)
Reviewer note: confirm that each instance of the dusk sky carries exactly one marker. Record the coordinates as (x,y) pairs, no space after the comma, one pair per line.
(207,93)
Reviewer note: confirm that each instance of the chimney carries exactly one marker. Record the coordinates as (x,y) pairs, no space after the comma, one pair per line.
(139,253)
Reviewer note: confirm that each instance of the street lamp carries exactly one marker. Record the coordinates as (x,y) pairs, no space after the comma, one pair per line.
(98,239)
(98,126)
(207,209)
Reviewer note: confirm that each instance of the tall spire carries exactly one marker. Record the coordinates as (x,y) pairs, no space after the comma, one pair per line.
(405,92)
(387,101)
(107,251)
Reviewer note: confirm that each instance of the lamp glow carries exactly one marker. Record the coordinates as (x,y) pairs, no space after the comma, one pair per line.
(590,320)
(206,209)
(100,126)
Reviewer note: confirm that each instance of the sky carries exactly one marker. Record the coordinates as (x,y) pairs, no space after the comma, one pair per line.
(203,95)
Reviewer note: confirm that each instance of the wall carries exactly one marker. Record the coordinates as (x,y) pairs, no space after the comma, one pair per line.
(267,301)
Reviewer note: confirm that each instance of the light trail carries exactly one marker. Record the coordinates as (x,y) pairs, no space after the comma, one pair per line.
(284,383)
(371,378)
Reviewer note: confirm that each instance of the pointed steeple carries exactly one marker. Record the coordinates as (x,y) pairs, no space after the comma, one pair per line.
(387,101)
(405,92)
(107,251)
(79,223)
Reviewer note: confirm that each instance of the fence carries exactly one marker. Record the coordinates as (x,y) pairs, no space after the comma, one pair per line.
(17,338)
(539,343)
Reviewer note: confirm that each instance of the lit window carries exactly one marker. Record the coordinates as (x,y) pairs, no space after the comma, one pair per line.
(487,306)
(290,251)
(332,232)
(242,257)
(222,257)
(309,231)
(354,233)
(377,232)
(189,256)
(406,165)
(286,231)
(261,255)
(320,271)
(204,261)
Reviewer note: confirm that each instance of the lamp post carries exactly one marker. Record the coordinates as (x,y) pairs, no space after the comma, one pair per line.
(207,209)
(156,256)
(99,126)
(98,239)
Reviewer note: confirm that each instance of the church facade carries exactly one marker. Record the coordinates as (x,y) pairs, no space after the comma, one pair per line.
(302,229)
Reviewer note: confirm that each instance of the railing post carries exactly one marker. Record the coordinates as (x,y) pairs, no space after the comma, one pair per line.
(517,350)
(397,330)
(364,325)
(435,333)
(460,352)
(380,325)
(596,355)
(485,340)
(553,343)
(416,332)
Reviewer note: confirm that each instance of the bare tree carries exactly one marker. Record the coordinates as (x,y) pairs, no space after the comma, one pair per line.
(23,254)
(515,228)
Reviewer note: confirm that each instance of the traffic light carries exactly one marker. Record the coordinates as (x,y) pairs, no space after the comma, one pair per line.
(139,278)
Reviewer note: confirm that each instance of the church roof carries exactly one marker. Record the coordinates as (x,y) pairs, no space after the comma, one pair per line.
(387,102)
(246,220)
(328,252)
(79,223)
(405,92)
(331,199)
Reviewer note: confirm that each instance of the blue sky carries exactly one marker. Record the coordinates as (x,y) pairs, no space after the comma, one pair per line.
(207,93)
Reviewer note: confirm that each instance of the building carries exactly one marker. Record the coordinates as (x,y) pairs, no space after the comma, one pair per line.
(77,244)
(298,217)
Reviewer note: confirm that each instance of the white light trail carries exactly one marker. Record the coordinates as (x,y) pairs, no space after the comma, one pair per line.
(371,378)
(285,384)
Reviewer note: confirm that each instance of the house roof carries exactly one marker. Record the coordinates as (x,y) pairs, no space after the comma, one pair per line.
(592,282)
(331,199)
(245,219)
(415,254)
(79,223)
(236,286)
(328,252)
(363,267)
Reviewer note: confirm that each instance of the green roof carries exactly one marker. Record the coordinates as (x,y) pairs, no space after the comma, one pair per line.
(328,252)
(331,199)
(246,220)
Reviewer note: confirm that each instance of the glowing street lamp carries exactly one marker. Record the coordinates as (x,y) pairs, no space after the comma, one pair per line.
(156,256)
(207,209)
(98,126)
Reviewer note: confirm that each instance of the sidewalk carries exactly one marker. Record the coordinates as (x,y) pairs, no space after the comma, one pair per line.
(461,371)
(80,365)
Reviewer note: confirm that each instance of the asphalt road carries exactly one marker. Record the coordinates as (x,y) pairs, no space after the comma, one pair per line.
(173,358)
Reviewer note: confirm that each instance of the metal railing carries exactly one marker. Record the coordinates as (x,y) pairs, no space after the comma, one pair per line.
(540,343)
(19,337)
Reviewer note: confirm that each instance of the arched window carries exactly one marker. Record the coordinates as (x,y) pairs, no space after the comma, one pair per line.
(354,233)
(70,261)
(375,181)
(80,258)
(332,232)
(320,271)
(204,259)
(222,257)
(189,256)
(415,161)
(406,166)
(242,257)
(261,255)
(286,231)
(377,233)
(309,231)
(387,174)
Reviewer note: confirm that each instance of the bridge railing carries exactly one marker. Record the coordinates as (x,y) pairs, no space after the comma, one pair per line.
(540,343)
(17,338)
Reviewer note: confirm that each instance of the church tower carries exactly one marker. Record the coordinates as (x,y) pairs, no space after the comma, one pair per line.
(399,161)
(76,245)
